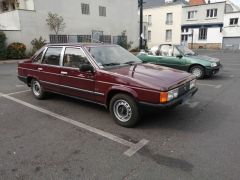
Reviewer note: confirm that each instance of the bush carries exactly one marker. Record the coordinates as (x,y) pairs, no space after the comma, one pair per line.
(3,50)
(37,44)
(122,41)
(16,51)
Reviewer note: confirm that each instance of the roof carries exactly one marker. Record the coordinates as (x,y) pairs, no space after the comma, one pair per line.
(196,2)
(157,3)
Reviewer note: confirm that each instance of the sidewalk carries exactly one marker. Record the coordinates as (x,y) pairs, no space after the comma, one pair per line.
(10,61)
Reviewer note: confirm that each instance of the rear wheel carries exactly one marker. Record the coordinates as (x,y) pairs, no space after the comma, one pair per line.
(37,89)
(198,71)
(124,110)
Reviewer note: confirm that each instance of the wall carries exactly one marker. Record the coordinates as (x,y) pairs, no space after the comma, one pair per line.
(121,15)
(10,20)
(231,31)
(159,27)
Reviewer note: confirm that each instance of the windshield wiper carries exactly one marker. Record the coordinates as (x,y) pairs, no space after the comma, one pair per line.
(111,64)
(131,62)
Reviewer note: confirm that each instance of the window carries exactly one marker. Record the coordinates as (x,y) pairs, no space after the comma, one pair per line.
(169,35)
(74,57)
(149,20)
(84,38)
(169,18)
(102,11)
(192,14)
(85,9)
(233,21)
(38,58)
(52,56)
(202,34)
(184,38)
(211,13)
(149,35)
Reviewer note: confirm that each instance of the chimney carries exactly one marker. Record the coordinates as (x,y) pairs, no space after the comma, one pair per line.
(197,2)
(209,1)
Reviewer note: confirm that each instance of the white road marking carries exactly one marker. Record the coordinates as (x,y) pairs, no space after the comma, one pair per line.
(20,85)
(191,104)
(210,85)
(18,92)
(133,148)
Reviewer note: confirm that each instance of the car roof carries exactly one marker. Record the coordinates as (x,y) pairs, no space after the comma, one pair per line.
(80,44)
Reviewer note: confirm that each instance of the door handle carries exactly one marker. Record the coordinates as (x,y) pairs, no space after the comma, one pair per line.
(64,73)
(40,69)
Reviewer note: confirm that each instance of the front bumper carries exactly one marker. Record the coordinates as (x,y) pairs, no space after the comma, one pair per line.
(172,103)
(211,71)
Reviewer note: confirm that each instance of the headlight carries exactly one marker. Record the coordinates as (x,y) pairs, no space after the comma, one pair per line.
(214,64)
(168,96)
(192,83)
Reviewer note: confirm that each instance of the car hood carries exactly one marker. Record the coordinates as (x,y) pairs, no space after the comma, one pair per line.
(205,58)
(151,76)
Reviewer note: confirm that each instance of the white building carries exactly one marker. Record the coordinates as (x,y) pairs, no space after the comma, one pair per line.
(24,20)
(231,30)
(202,25)
(164,23)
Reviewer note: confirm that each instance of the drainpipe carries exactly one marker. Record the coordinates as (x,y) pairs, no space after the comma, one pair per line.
(141,24)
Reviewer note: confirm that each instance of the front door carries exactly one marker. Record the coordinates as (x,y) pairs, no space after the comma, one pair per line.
(73,82)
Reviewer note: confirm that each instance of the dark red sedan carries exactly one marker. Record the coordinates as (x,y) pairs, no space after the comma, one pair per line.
(107,75)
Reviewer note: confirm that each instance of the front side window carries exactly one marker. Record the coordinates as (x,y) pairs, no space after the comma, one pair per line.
(202,34)
(211,13)
(85,9)
(169,18)
(168,35)
(74,57)
(52,56)
(233,21)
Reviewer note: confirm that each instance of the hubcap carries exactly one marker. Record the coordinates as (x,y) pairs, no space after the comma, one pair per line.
(197,72)
(122,110)
(36,88)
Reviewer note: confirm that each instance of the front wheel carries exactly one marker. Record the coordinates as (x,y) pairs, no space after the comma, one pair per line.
(37,89)
(198,71)
(124,110)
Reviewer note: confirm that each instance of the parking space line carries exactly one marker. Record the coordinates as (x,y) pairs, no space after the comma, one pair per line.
(18,92)
(210,85)
(133,147)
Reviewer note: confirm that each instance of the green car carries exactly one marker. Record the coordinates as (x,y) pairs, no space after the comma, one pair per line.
(182,58)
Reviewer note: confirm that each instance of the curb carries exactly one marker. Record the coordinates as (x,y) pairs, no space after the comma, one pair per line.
(10,61)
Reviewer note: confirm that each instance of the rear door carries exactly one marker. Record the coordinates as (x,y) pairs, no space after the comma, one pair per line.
(49,69)
(73,82)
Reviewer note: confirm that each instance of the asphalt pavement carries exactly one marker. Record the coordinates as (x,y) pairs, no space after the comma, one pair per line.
(63,138)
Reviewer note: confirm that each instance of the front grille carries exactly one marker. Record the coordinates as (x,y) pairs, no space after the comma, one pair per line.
(183,89)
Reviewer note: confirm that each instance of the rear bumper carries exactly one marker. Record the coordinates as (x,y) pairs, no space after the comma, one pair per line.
(172,103)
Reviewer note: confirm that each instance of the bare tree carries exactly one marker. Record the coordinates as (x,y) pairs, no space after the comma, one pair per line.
(55,22)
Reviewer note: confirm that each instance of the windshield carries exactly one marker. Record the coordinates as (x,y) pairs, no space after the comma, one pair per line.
(185,51)
(112,56)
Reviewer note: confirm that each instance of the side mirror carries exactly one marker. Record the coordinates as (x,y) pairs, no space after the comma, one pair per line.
(179,56)
(85,68)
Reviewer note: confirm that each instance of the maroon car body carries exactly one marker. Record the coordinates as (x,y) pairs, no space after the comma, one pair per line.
(141,82)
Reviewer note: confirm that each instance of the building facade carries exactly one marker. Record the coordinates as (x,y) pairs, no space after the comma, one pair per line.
(202,25)
(164,24)
(24,20)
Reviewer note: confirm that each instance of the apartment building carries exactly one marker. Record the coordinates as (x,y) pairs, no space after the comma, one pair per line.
(202,25)
(164,23)
(104,20)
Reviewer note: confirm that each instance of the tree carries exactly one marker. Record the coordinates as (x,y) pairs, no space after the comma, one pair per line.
(55,22)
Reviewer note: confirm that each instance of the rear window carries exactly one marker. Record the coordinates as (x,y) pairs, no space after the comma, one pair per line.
(52,56)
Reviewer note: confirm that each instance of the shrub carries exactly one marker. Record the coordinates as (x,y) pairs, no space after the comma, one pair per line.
(16,51)
(122,41)
(3,50)
(37,44)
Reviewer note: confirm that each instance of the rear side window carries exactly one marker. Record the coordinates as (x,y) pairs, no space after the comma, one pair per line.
(74,57)
(52,56)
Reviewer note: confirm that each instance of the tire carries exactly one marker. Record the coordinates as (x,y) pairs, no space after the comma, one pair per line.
(37,89)
(198,71)
(124,110)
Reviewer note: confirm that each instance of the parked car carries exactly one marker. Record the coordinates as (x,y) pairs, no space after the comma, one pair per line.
(182,58)
(107,75)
